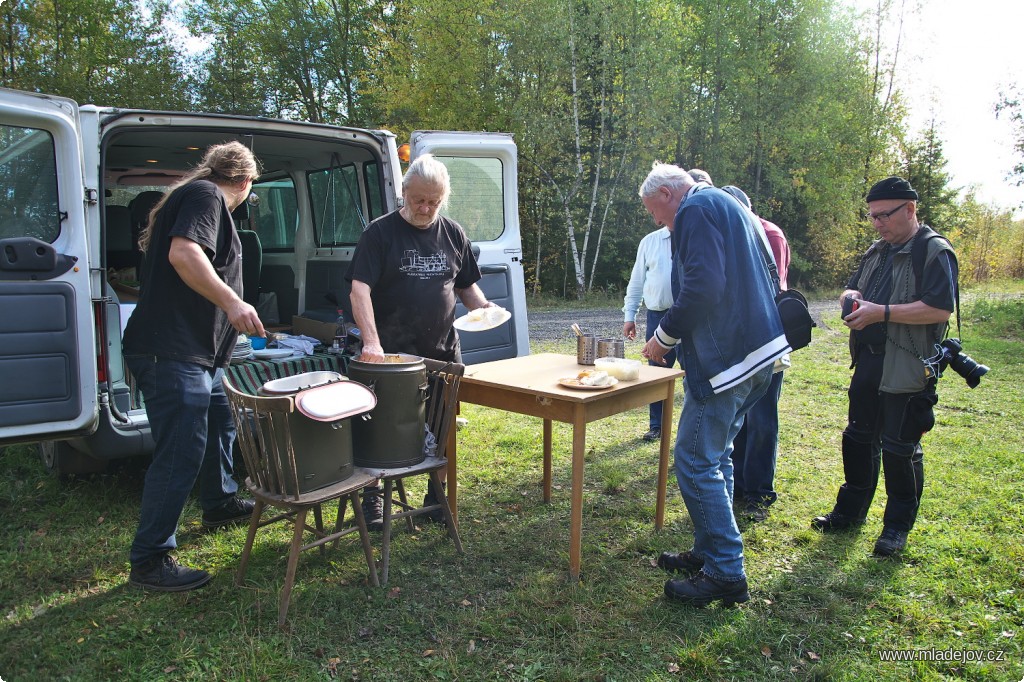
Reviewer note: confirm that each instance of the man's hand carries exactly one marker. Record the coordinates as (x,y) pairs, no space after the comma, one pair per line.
(244,318)
(865,314)
(371,353)
(654,351)
(629,330)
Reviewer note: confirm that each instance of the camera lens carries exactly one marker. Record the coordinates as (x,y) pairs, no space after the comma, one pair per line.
(968,368)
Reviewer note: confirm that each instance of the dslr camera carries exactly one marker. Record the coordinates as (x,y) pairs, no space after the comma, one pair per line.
(951,353)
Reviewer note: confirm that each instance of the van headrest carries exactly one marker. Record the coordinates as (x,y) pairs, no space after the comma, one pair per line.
(142,204)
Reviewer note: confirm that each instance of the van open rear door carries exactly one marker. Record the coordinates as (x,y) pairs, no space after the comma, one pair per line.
(47,345)
(484,176)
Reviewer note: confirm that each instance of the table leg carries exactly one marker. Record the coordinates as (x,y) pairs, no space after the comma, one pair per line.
(452,452)
(579,445)
(666,446)
(547,460)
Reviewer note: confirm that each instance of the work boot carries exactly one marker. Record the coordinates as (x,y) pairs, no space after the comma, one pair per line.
(833,521)
(652,435)
(163,574)
(890,542)
(701,589)
(680,562)
(231,512)
(373,507)
(432,498)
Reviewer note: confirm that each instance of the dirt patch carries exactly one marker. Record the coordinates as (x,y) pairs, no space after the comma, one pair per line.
(553,325)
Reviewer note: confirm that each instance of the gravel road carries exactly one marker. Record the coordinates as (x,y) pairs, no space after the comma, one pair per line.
(553,325)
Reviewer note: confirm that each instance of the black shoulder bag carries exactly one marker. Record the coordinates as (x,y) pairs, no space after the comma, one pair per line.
(792,305)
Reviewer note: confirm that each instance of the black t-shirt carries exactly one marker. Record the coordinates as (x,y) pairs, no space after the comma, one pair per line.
(412,274)
(171,319)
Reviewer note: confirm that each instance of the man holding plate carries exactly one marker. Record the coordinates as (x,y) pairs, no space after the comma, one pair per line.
(407,269)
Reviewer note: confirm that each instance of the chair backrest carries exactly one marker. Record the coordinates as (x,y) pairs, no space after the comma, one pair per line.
(443,380)
(265,439)
(252,264)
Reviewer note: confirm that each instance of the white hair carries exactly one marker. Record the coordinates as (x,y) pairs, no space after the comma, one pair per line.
(432,171)
(665,175)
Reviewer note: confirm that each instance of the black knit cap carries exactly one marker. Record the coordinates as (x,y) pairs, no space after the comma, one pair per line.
(891,188)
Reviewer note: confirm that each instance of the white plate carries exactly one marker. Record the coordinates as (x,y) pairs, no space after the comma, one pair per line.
(573,382)
(464,324)
(273,353)
(239,359)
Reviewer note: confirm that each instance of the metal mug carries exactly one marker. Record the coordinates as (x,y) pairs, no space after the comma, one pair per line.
(586,347)
(611,348)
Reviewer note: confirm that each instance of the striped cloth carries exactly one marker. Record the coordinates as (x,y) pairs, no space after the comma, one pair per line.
(250,375)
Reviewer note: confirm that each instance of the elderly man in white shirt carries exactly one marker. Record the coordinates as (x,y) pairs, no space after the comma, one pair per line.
(651,282)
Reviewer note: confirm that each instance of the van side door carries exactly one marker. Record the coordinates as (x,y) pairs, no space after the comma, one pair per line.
(47,341)
(483,168)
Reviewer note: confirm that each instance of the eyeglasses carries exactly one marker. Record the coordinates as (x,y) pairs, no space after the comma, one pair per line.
(884,216)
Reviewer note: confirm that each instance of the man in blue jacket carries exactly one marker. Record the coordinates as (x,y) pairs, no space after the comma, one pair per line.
(729,334)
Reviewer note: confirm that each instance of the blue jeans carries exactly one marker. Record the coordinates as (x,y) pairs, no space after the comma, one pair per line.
(704,471)
(653,320)
(194,432)
(756,448)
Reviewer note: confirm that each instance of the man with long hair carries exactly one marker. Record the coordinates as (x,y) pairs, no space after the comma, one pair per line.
(176,344)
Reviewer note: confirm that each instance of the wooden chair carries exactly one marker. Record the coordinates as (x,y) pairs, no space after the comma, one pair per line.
(265,439)
(443,380)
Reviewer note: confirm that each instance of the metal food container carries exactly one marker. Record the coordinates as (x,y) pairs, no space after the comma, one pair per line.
(611,348)
(393,437)
(320,425)
(586,349)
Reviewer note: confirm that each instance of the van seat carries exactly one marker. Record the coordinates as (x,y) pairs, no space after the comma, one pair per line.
(120,248)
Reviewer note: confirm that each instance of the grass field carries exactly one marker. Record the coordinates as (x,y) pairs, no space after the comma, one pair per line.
(821,608)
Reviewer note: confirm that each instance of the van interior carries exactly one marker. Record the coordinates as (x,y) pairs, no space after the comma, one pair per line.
(298,229)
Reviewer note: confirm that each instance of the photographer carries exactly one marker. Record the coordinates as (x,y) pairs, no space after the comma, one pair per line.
(897,306)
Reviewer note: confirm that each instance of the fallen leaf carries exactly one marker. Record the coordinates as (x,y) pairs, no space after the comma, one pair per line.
(673,667)
(465,602)
(99,520)
(1008,633)
(813,656)
(428,652)
(394,592)
(80,640)
(766,652)
(472,647)
(170,669)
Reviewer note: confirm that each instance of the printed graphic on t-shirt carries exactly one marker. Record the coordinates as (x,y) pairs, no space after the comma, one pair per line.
(424,267)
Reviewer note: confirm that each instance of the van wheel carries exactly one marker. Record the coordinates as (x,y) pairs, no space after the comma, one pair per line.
(63,460)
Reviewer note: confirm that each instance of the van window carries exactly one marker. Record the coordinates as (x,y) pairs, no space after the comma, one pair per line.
(28,184)
(371,175)
(477,202)
(337,206)
(276,217)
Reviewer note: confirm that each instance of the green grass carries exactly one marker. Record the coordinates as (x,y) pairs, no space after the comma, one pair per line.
(821,608)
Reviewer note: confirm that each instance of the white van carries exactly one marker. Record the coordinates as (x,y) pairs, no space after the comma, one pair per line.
(76,184)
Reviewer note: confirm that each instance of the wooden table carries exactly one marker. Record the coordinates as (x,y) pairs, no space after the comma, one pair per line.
(529,385)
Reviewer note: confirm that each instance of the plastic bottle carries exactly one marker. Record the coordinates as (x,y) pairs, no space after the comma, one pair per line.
(340,333)
(341,327)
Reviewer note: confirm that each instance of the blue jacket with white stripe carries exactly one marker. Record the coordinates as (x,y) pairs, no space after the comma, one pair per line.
(724,316)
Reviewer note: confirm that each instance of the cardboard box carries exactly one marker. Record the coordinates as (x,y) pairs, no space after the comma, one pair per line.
(321,331)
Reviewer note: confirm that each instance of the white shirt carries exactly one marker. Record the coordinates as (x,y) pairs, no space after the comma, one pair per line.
(651,279)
